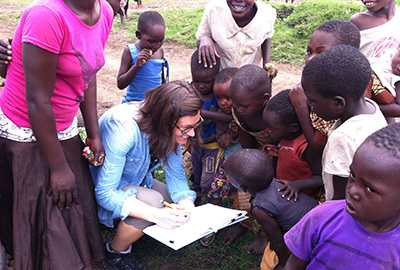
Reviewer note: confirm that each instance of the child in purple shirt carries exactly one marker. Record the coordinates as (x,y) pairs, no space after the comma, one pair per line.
(363,231)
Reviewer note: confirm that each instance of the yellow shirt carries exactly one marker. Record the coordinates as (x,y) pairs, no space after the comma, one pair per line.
(238,45)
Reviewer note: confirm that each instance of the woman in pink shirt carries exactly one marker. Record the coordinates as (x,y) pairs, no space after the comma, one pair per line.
(48,213)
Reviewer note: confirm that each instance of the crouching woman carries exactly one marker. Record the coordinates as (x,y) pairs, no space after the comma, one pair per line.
(137,137)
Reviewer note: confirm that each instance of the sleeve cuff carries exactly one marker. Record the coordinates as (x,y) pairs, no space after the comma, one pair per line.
(183,195)
(127,206)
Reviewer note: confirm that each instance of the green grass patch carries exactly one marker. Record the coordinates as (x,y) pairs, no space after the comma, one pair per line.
(217,256)
(182,25)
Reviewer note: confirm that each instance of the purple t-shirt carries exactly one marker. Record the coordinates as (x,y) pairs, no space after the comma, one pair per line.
(328,237)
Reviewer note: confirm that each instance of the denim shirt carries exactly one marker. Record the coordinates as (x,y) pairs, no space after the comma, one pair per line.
(127,162)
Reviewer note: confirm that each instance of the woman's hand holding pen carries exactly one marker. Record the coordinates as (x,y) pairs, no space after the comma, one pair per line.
(171,216)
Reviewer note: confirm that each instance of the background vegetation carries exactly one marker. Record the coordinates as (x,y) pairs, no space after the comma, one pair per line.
(294,25)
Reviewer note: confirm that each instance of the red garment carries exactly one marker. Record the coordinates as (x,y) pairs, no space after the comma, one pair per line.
(291,165)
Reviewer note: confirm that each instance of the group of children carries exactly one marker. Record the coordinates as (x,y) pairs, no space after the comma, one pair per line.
(327,133)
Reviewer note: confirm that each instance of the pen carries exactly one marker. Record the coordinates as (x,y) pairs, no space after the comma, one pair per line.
(169,205)
(172,206)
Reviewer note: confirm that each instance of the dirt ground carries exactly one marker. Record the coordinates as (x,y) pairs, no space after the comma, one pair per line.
(177,55)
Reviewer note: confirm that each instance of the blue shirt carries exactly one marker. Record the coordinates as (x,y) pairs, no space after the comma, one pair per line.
(149,76)
(127,162)
(208,129)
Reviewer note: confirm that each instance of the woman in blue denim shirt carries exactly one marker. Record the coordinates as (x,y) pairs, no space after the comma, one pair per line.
(135,136)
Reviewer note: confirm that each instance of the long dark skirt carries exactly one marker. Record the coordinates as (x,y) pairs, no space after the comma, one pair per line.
(40,235)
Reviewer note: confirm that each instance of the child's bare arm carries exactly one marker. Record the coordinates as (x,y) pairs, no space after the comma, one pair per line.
(216,116)
(274,233)
(127,71)
(299,102)
(339,187)
(294,263)
(5,56)
(266,51)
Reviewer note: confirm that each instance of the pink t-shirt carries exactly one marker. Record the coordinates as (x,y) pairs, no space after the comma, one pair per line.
(52,26)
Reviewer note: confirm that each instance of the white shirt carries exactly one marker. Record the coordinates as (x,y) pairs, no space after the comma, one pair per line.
(343,141)
(238,45)
(379,44)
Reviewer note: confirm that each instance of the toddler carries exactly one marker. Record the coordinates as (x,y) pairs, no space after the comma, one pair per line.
(252,170)
(334,83)
(295,166)
(226,136)
(143,66)
(362,231)
(250,91)
(202,81)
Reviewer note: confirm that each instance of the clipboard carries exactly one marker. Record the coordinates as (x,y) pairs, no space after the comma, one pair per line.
(204,220)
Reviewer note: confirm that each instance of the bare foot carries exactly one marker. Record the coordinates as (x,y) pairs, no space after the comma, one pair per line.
(257,246)
(233,233)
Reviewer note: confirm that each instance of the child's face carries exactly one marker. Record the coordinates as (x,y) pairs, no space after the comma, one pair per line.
(320,42)
(203,84)
(246,104)
(240,8)
(153,38)
(277,130)
(376,5)
(328,108)
(222,94)
(373,187)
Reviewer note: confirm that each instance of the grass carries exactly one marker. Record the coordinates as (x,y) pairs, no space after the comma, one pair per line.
(218,256)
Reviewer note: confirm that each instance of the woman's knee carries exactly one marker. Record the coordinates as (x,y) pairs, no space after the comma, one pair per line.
(150,197)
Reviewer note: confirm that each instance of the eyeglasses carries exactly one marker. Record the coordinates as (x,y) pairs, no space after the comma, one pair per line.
(185,131)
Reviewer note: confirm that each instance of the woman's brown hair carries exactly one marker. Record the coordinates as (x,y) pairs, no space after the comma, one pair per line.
(162,108)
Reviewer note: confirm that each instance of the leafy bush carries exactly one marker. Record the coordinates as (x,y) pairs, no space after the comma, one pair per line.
(283,10)
(309,14)
(286,47)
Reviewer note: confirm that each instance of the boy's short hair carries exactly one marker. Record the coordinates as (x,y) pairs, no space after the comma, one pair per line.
(387,138)
(341,71)
(199,71)
(251,168)
(251,78)
(344,31)
(225,75)
(148,19)
(281,105)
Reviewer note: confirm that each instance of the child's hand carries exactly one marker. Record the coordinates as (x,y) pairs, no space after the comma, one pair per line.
(289,191)
(272,150)
(94,152)
(143,57)
(396,63)
(271,70)
(208,52)
(297,97)
(5,52)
